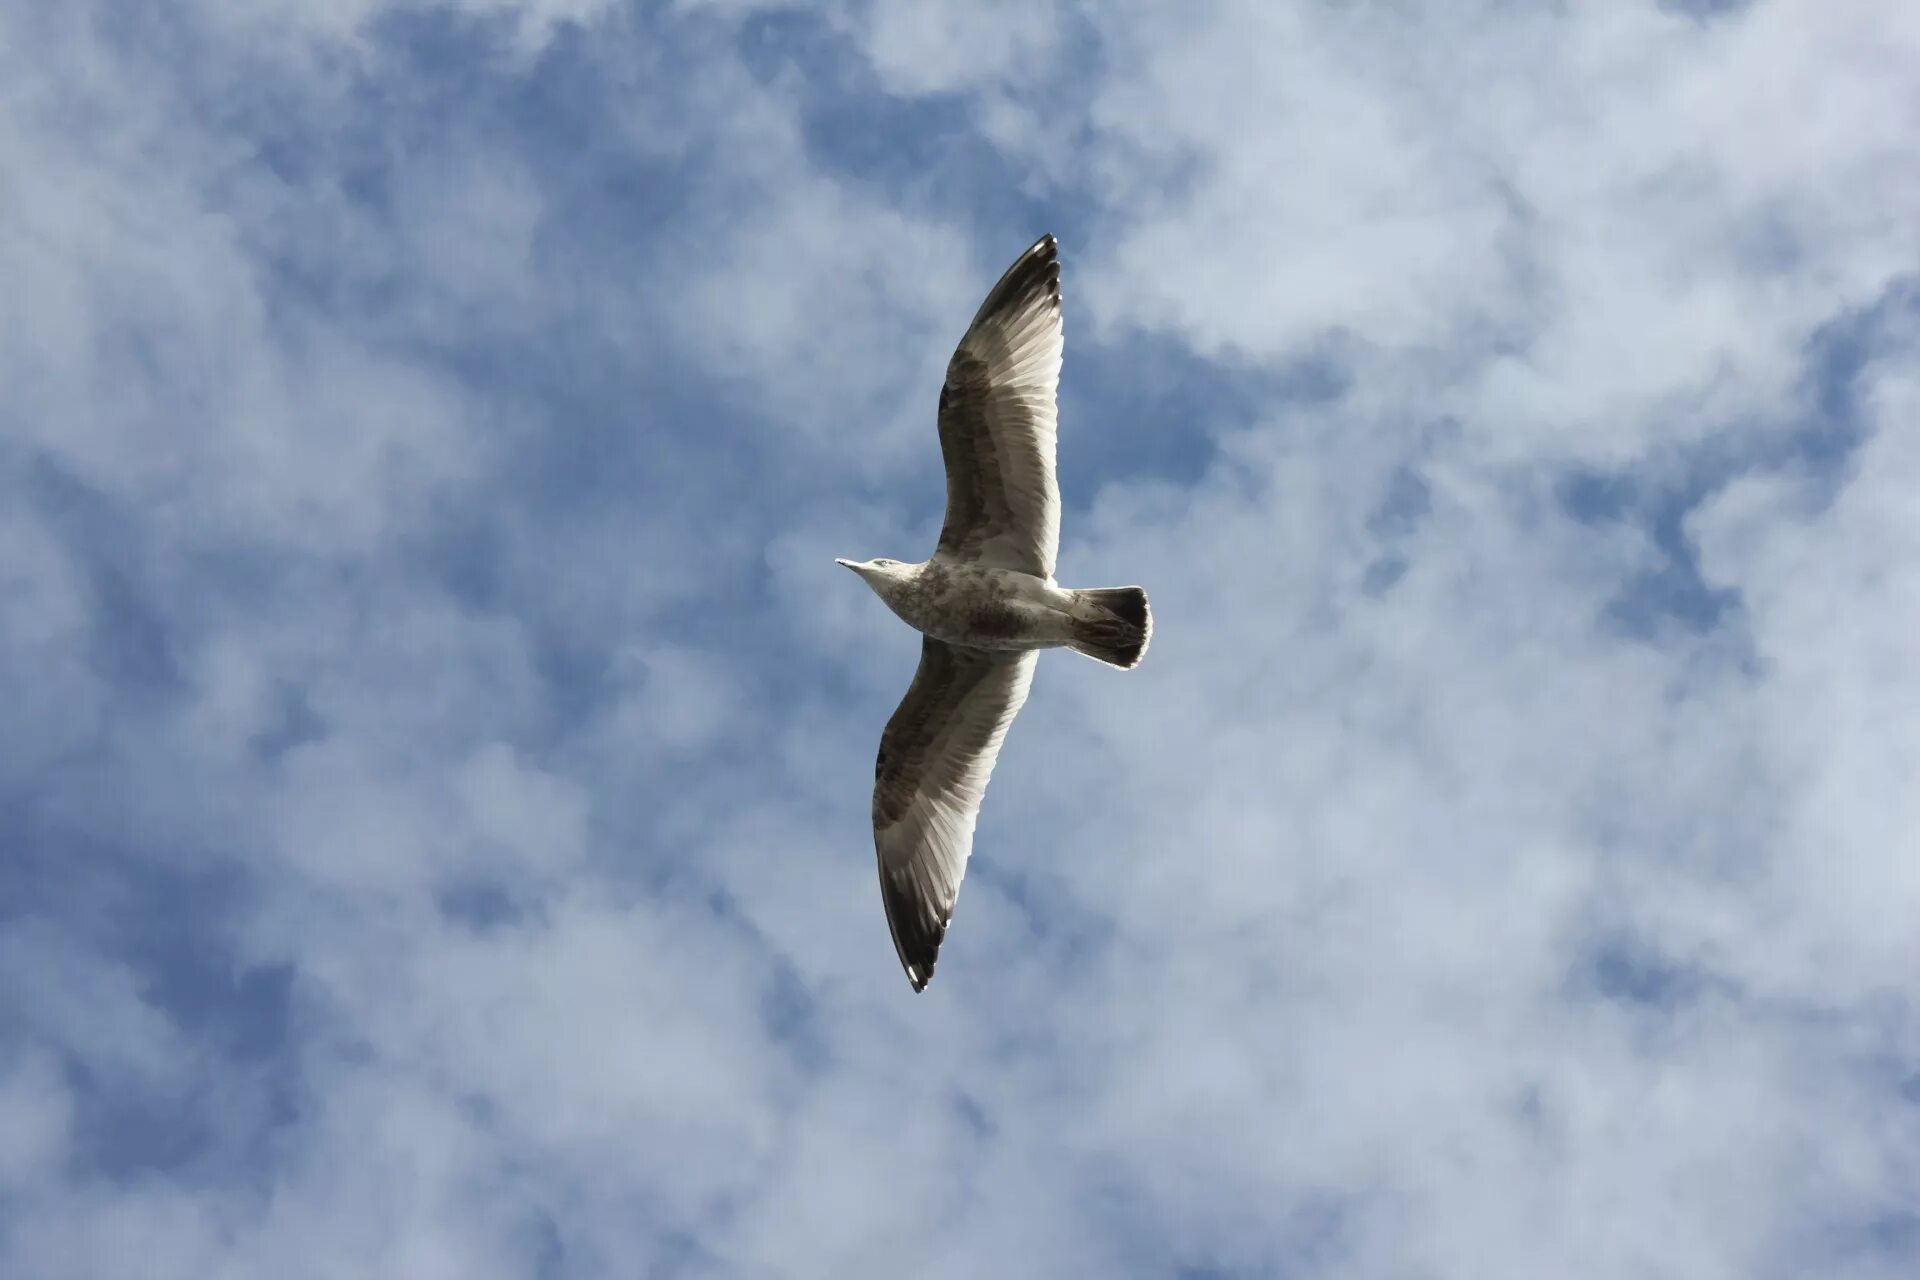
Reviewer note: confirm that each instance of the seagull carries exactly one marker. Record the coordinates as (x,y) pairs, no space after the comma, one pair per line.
(985,604)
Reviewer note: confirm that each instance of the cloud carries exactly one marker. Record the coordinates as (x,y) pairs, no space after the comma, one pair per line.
(1639,216)
(434,788)
(34,1116)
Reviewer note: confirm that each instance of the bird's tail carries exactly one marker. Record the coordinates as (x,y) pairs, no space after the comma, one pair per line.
(1112,624)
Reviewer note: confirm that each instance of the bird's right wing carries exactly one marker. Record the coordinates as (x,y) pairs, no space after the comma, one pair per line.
(997,422)
(935,757)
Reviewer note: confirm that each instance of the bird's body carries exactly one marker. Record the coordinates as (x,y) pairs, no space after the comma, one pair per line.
(985,603)
(979,606)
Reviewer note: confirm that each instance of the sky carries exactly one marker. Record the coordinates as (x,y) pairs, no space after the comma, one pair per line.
(435,776)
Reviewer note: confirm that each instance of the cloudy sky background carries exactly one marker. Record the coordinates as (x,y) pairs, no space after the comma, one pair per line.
(433,773)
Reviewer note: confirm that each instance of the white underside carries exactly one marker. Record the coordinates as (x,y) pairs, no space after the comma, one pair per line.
(1042,612)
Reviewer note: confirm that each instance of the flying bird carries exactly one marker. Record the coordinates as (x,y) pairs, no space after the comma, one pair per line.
(985,604)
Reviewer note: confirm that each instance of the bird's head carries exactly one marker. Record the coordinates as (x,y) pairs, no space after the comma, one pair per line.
(878,573)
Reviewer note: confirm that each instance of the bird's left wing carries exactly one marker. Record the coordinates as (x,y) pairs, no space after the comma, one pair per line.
(997,422)
(935,757)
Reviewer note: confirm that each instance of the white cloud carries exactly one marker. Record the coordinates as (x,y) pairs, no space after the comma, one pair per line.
(44,614)
(35,1112)
(530,23)
(1832,596)
(1640,217)
(82,1004)
(926,47)
(151,362)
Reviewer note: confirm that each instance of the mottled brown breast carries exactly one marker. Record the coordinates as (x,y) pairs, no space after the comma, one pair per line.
(993,622)
(934,580)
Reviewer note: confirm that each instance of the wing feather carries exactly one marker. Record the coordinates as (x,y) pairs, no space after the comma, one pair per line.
(998,422)
(935,758)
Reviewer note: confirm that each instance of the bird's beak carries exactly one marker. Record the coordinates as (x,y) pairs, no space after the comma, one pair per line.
(846,564)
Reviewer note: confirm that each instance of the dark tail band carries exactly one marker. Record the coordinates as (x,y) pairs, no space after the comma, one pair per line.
(1119,630)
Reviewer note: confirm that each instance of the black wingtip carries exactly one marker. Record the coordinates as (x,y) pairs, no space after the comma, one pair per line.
(920,973)
(917,932)
(1043,251)
(1035,271)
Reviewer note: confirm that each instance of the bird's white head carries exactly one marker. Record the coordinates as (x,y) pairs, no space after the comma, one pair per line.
(882,574)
